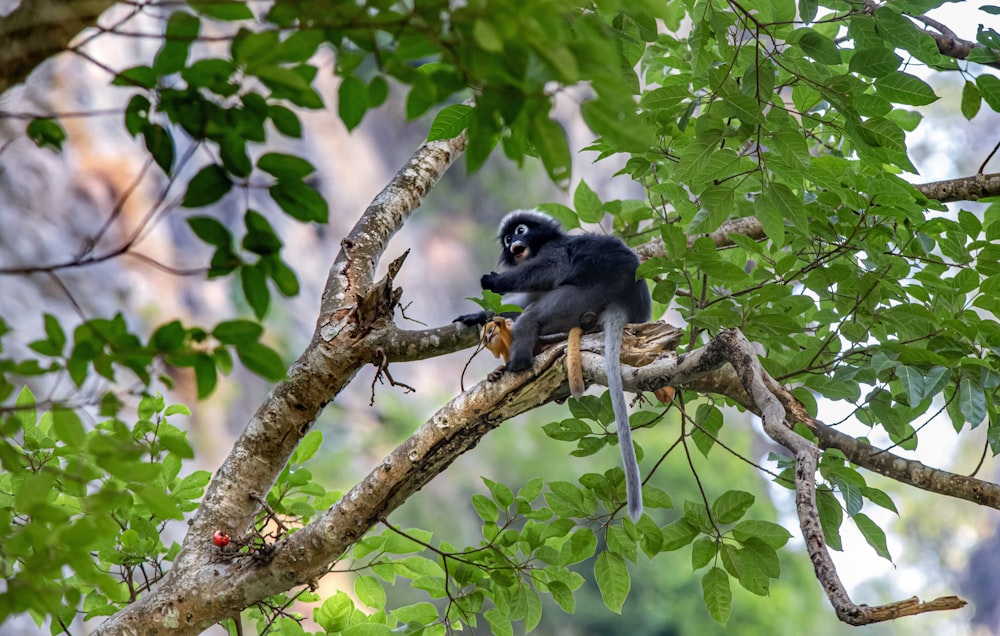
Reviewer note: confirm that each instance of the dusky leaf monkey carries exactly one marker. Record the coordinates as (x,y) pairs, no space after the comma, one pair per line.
(564,282)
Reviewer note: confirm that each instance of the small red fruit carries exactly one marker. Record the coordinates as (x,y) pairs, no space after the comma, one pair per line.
(220,538)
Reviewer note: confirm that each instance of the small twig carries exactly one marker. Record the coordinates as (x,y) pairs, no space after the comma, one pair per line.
(982,166)
(270,511)
(402,312)
(382,369)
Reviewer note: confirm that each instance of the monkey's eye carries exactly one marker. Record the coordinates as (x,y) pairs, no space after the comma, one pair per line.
(507,240)
(521,229)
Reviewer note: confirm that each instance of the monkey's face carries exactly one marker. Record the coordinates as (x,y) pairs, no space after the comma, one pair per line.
(523,233)
(516,243)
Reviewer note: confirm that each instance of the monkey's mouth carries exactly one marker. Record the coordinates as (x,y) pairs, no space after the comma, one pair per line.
(520,251)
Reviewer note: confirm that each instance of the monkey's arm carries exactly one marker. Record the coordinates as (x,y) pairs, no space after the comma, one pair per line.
(536,275)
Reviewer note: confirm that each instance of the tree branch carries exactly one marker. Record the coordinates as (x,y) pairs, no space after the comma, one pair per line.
(948,43)
(962,189)
(38,29)
(199,591)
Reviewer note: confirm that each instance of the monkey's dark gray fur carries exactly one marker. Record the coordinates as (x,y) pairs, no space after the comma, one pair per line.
(558,280)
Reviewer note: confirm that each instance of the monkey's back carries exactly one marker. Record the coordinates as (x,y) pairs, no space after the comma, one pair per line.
(604,267)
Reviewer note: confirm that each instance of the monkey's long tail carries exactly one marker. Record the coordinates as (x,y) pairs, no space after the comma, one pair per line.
(614,326)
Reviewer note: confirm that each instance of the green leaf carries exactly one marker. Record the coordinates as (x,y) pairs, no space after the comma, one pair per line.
(137,114)
(205,375)
(260,238)
(971,401)
(500,625)
(989,88)
(299,200)
(67,427)
(25,413)
(678,534)
(874,535)
(487,37)
(54,332)
(550,142)
(718,597)
(831,515)
(285,166)
(587,203)
(230,10)
(703,550)
(334,614)
(770,533)
(300,45)
(182,29)
(971,100)
(817,46)
(262,360)
(485,508)
(160,143)
(378,91)
(208,186)
(731,505)
(169,337)
(370,592)
(807,10)
(450,122)
(879,498)
(903,88)
(235,332)
(352,101)
(138,76)
(283,276)
(563,596)
(211,231)
(613,580)
(875,62)
(254,284)
(46,132)
(307,447)
(913,383)
(286,121)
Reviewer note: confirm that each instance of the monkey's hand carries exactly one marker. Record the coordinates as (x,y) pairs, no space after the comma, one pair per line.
(474,320)
(491,282)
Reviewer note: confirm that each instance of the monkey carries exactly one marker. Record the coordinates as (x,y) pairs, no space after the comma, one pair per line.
(497,336)
(563,282)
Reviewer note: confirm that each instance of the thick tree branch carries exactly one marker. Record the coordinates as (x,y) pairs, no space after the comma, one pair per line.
(198,592)
(699,371)
(948,43)
(38,29)
(962,189)
(972,188)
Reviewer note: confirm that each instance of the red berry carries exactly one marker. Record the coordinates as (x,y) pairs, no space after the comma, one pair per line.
(220,538)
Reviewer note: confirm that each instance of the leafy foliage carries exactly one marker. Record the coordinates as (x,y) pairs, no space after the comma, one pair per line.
(77,505)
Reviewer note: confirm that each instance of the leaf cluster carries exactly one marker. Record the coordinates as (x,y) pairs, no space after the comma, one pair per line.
(82,511)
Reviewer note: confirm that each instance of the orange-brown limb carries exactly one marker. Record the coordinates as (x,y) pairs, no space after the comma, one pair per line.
(574,364)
